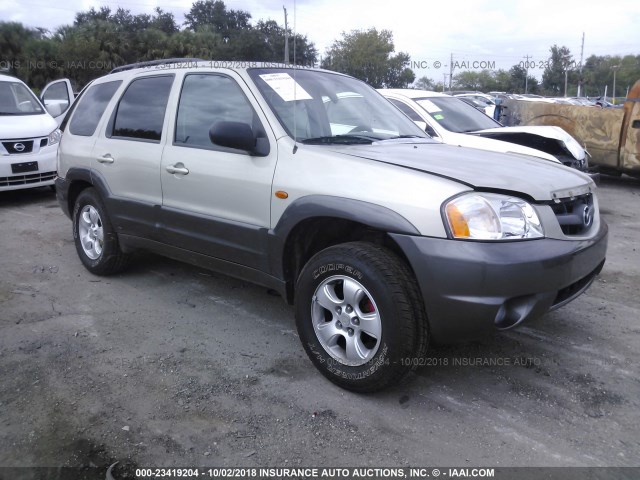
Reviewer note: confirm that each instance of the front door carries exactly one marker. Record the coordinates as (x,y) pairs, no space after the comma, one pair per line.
(216,200)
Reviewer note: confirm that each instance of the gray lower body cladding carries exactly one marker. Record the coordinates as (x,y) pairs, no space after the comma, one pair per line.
(471,288)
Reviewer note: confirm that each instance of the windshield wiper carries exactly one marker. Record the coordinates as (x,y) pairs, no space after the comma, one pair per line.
(338,139)
(404,136)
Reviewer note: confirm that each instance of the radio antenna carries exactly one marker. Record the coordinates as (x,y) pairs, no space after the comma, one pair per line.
(295,83)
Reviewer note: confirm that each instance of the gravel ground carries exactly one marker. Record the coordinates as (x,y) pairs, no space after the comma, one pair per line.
(170,365)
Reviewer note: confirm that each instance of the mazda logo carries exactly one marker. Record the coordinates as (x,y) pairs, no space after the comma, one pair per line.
(18,147)
(587,216)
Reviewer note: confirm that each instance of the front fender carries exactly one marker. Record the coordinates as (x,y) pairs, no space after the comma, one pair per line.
(325,206)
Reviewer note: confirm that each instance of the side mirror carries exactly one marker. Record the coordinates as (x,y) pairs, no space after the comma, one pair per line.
(54,109)
(238,135)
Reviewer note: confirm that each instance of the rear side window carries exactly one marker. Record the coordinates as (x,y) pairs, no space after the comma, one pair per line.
(141,110)
(91,107)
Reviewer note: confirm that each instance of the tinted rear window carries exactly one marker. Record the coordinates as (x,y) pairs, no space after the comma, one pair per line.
(91,107)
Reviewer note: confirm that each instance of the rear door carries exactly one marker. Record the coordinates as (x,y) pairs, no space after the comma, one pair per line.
(216,200)
(127,154)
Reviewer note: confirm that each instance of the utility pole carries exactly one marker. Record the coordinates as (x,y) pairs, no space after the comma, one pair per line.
(286,38)
(450,71)
(613,92)
(526,75)
(581,57)
(444,81)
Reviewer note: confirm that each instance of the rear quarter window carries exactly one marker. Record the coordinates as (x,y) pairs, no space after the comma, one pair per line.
(91,107)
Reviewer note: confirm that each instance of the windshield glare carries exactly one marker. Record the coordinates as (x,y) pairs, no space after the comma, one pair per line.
(17,99)
(320,105)
(455,115)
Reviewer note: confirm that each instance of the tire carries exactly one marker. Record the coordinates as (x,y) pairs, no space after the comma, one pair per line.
(375,343)
(94,236)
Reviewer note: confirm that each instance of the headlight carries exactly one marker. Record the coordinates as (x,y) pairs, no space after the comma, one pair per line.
(488,216)
(54,137)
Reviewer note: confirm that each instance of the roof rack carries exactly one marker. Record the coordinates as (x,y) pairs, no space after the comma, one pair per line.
(151,63)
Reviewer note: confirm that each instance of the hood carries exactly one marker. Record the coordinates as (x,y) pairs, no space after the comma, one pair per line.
(526,135)
(494,145)
(26,126)
(539,179)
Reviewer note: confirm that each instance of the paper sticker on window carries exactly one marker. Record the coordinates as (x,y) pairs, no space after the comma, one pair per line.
(437,116)
(285,86)
(429,106)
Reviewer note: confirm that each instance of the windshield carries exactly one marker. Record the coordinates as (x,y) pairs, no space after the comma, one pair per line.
(455,115)
(17,99)
(323,108)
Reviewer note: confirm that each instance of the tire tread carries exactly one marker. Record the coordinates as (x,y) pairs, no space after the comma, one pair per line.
(401,284)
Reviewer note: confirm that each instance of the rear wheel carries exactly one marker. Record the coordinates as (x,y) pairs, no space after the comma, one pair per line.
(359,316)
(94,236)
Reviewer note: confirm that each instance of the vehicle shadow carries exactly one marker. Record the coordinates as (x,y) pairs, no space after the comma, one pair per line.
(621,180)
(26,197)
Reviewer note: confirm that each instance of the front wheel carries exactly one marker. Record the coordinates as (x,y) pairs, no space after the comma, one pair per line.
(359,316)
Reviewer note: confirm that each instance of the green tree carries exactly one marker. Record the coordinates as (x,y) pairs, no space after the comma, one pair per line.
(518,78)
(369,56)
(13,39)
(424,83)
(482,81)
(559,65)
(108,38)
(273,36)
(214,14)
(598,72)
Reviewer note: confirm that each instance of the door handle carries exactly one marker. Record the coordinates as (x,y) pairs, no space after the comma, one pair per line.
(106,158)
(178,169)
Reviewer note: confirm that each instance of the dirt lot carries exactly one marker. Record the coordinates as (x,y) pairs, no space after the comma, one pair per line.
(175,366)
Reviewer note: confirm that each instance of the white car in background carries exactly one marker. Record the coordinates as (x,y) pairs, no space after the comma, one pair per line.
(458,123)
(29,133)
(480,101)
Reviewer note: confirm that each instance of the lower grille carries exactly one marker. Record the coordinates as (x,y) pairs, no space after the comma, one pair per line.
(26,179)
(575,215)
(567,294)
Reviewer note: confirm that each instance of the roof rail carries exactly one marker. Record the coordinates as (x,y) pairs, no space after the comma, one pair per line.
(151,63)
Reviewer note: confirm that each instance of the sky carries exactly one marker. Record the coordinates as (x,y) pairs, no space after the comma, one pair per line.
(482,33)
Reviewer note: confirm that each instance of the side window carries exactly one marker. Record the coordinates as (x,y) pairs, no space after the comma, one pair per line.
(57,93)
(206,99)
(90,108)
(140,112)
(408,111)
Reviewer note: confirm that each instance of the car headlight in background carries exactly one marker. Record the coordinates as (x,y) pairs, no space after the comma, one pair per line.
(488,216)
(54,137)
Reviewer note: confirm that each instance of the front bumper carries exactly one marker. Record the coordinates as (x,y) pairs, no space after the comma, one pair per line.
(470,288)
(44,175)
